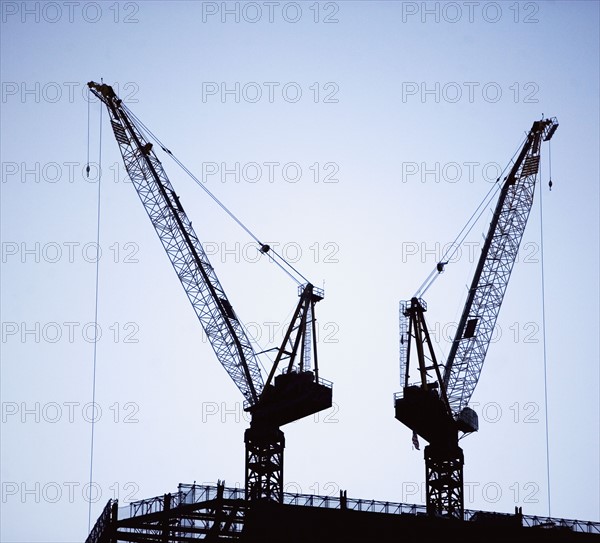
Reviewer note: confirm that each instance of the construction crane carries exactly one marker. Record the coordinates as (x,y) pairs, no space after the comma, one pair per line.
(296,392)
(436,408)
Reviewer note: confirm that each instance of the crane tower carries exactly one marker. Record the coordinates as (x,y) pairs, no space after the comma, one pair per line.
(436,406)
(295,393)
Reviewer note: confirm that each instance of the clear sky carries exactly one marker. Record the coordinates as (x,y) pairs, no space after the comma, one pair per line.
(359,137)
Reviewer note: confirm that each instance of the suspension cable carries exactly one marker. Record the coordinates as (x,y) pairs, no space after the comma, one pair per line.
(281,262)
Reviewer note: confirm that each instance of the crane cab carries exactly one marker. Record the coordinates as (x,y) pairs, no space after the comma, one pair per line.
(468,421)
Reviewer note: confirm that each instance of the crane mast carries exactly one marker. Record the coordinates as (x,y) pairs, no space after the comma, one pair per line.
(436,408)
(294,394)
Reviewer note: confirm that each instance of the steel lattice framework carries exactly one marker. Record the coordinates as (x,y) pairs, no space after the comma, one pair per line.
(198,512)
(444,476)
(498,257)
(436,408)
(215,312)
(404,323)
(264,463)
(296,393)
(191,514)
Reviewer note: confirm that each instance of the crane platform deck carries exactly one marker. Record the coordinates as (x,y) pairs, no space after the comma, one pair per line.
(219,513)
(293,396)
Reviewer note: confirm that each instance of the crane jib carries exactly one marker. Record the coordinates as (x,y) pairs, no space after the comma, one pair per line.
(492,274)
(174,229)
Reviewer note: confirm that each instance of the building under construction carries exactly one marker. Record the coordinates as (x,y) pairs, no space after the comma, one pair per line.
(223,514)
(435,407)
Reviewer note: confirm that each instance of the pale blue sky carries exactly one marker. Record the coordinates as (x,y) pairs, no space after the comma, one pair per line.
(370,234)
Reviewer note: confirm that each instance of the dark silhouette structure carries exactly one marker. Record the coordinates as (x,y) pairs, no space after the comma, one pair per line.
(436,407)
(297,392)
(223,514)
(262,512)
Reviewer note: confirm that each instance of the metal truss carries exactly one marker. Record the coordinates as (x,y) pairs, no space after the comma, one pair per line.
(219,513)
(194,513)
(444,478)
(498,257)
(215,312)
(404,342)
(264,463)
(299,344)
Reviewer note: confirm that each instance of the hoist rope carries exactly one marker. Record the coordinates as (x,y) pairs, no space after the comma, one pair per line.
(544,339)
(280,263)
(87,168)
(93,421)
(465,231)
(550,164)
